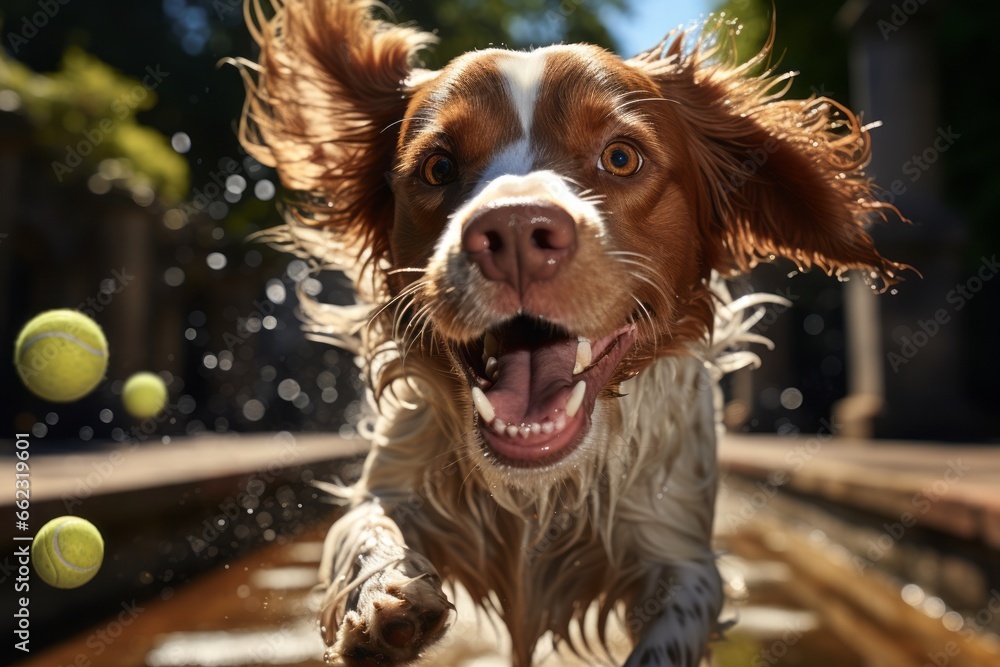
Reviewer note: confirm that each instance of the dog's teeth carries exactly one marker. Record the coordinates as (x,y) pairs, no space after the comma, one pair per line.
(525,430)
(512,430)
(536,428)
(492,368)
(576,398)
(584,355)
(490,346)
(483,405)
(548,427)
(499,426)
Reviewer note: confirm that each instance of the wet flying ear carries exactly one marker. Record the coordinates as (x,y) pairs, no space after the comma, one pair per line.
(779,177)
(323,106)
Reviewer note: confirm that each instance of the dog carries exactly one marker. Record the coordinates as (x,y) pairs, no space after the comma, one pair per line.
(539,242)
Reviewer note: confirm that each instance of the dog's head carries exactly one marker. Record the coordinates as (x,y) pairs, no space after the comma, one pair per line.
(548,219)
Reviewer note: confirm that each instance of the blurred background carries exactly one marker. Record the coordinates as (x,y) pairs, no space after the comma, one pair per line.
(124,194)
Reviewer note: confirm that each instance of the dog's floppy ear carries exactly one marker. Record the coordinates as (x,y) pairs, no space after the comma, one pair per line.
(323,107)
(777,177)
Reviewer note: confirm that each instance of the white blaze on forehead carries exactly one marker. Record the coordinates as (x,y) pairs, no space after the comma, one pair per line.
(522,73)
(522,77)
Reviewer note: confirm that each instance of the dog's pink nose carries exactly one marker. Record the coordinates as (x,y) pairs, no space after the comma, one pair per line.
(520,243)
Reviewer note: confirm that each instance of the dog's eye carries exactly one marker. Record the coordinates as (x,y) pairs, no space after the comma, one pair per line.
(438,169)
(620,158)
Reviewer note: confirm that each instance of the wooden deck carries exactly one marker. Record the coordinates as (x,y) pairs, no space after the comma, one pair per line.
(799,597)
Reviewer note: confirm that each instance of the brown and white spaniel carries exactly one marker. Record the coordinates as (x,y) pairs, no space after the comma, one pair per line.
(536,239)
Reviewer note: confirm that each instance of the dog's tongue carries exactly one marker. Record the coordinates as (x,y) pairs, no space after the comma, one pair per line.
(530,375)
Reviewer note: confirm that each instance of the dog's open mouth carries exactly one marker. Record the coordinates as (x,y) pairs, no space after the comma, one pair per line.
(534,387)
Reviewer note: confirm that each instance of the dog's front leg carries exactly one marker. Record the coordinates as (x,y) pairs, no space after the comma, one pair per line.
(384,603)
(676,616)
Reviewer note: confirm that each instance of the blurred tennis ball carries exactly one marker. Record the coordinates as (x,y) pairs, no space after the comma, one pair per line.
(61,355)
(67,552)
(144,395)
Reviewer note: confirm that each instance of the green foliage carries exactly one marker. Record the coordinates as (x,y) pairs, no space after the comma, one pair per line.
(738,649)
(807,41)
(200,99)
(85,115)
(465,25)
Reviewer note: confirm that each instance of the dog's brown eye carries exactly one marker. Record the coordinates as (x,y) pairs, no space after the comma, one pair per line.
(438,169)
(620,159)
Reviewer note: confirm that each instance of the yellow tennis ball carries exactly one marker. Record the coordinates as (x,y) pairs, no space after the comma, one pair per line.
(67,552)
(61,355)
(144,395)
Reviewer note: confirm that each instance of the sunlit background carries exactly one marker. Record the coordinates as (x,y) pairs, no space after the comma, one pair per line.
(124,193)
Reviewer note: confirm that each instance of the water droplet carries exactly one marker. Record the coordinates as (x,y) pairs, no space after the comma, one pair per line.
(791,398)
(216,260)
(264,190)
(236,184)
(288,389)
(174,276)
(253,410)
(275,291)
(181,142)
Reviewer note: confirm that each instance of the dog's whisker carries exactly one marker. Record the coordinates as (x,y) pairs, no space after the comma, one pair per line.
(400,314)
(424,119)
(656,287)
(393,272)
(408,291)
(630,253)
(621,106)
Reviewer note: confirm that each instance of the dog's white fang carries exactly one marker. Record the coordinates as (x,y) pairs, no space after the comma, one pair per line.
(584,355)
(576,398)
(483,405)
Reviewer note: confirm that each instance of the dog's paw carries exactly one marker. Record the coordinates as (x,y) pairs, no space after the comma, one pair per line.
(397,613)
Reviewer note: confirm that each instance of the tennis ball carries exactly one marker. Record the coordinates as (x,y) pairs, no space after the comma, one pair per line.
(67,552)
(61,355)
(144,395)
